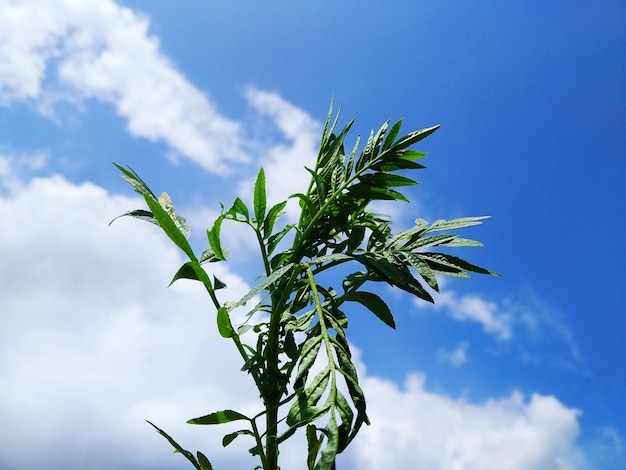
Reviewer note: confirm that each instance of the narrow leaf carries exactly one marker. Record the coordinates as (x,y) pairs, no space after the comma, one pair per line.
(391,135)
(219,417)
(456,223)
(214,238)
(308,354)
(263,285)
(373,303)
(327,459)
(188,455)
(260,199)
(412,138)
(272,215)
(138,214)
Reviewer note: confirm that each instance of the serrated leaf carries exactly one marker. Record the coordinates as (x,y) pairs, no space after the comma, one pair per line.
(386,180)
(219,417)
(327,459)
(374,304)
(425,242)
(395,273)
(423,269)
(396,164)
(461,242)
(412,138)
(313,445)
(374,193)
(224,325)
(260,198)
(308,354)
(269,280)
(456,223)
(455,262)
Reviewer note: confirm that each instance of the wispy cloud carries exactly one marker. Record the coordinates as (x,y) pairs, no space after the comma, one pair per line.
(51,50)
(526,326)
(457,356)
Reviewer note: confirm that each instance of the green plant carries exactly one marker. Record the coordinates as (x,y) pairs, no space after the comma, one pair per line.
(299,320)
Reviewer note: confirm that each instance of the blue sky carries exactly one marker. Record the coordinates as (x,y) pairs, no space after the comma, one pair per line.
(520,372)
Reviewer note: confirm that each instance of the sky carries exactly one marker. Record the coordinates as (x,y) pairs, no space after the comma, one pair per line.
(520,372)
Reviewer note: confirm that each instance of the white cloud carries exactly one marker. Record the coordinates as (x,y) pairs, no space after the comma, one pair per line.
(456,357)
(414,429)
(93,343)
(470,307)
(284,162)
(62,49)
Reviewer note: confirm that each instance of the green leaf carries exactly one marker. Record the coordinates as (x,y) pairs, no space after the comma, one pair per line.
(386,180)
(272,215)
(391,135)
(194,271)
(260,199)
(313,445)
(318,386)
(422,268)
(454,261)
(263,285)
(462,242)
(186,271)
(239,208)
(188,455)
(395,273)
(396,164)
(327,459)
(135,181)
(374,193)
(373,303)
(224,325)
(170,227)
(219,417)
(228,438)
(456,223)
(214,238)
(308,354)
(138,214)
(412,138)
(218,284)
(203,461)
(347,416)
(208,256)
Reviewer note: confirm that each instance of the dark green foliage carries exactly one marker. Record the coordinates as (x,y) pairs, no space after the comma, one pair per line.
(307,323)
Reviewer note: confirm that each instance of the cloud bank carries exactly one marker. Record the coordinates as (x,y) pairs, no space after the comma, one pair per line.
(54,50)
(93,343)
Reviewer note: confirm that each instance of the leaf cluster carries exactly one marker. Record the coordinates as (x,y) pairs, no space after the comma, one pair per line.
(304,322)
